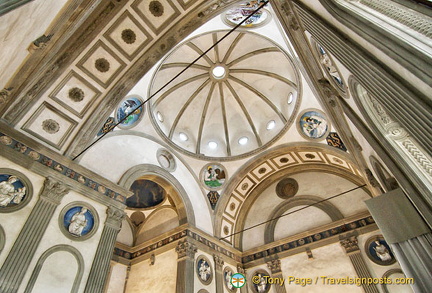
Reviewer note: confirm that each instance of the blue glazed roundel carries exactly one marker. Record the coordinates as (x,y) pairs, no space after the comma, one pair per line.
(126,107)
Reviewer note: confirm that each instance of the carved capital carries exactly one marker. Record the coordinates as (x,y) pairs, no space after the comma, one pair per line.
(274,265)
(241,269)
(292,20)
(186,249)
(114,218)
(219,262)
(350,244)
(4,96)
(331,94)
(54,190)
(371,178)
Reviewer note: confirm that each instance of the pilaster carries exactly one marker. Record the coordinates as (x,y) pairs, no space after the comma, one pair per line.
(101,262)
(185,266)
(275,267)
(219,262)
(24,248)
(353,251)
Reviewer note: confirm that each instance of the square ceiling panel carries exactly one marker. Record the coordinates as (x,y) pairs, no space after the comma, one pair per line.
(157,14)
(128,36)
(50,125)
(101,64)
(75,94)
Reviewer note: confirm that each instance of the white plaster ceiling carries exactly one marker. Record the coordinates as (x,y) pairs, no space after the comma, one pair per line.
(244,109)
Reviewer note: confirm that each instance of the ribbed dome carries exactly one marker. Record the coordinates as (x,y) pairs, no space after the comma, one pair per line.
(231,102)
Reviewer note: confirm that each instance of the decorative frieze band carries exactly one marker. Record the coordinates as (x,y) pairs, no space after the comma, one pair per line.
(419,23)
(60,168)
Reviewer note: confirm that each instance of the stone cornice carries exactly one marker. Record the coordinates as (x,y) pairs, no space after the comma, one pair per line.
(330,233)
(32,155)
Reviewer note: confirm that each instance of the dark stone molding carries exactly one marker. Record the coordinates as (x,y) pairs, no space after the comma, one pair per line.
(408,56)
(10,5)
(400,98)
(327,207)
(61,247)
(25,152)
(41,69)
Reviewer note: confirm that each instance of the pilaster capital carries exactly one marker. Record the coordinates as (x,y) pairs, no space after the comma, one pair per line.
(4,96)
(114,218)
(274,265)
(54,190)
(219,262)
(241,269)
(329,91)
(186,249)
(350,244)
(292,20)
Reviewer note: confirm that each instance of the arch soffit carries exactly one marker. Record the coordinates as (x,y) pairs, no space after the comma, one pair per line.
(153,214)
(272,165)
(327,207)
(66,248)
(171,185)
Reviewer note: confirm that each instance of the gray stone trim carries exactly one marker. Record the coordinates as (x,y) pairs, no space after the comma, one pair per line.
(18,261)
(327,207)
(387,274)
(72,250)
(92,211)
(168,182)
(219,277)
(27,184)
(33,156)
(399,98)
(10,5)
(409,56)
(2,238)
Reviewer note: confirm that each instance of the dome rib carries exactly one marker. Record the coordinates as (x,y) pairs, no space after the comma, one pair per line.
(200,52)
(178,86)
(245,112)
(185,106)
(203,116)
(252,54)
(265,73)
(263,97)
(232,46)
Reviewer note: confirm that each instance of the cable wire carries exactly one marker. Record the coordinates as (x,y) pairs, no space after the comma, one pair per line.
(172,79)
(305,207)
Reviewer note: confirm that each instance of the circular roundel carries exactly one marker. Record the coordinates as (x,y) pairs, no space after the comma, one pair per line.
(146,194)
(128,113)
(204,270)
(213,176)
(228,273)
(287,188)
(259,282)
(237,14)
(313,124)
(379,251)
(232,102)
(78,221)
(15,190)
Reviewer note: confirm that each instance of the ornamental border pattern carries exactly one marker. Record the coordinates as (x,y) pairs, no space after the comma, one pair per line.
(60,168)
(351,226)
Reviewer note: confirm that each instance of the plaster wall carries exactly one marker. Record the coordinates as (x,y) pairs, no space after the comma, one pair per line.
(12,223)
(19,28)
(117,278)
(54,236)
(127,151)
(329,261)
(57,274)
(160,277)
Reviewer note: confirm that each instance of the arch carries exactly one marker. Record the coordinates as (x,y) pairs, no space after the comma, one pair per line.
(328,208)
(393,132)
(2,238)
(385,178)
(67,248)
(168,182)
(277,163)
